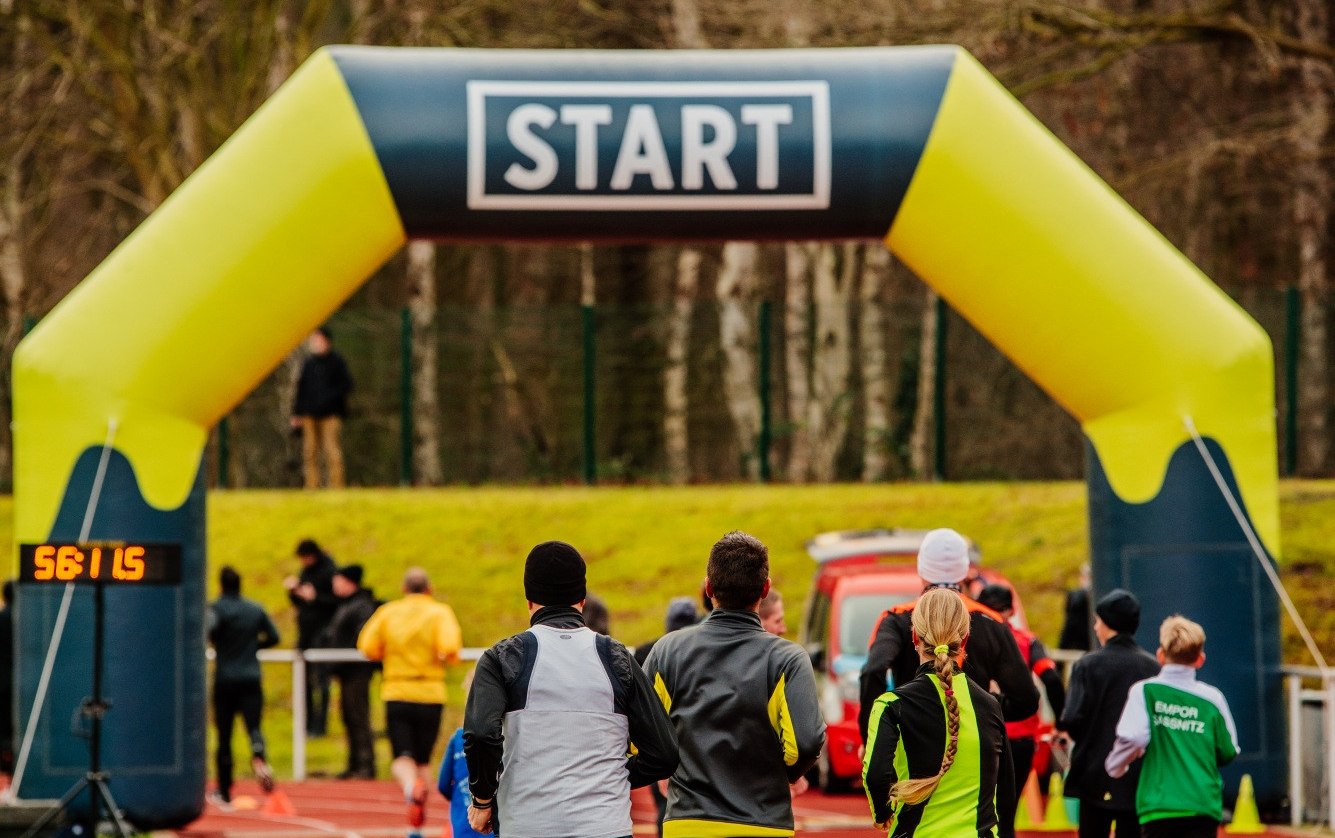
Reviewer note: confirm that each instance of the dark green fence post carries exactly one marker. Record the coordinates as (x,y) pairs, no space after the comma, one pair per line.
(590,456)
(406,398)
(224,453)
(766,430)
(1293,328)
(939,392)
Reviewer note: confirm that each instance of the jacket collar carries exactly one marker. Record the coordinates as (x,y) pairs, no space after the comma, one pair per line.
(1176,673)
(734,618)
(557,616)
(1122,639)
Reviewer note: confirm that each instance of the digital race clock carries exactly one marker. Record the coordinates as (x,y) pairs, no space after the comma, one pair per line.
(101,563)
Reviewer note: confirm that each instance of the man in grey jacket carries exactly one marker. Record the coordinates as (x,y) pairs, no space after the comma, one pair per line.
(743,702)
(553,714)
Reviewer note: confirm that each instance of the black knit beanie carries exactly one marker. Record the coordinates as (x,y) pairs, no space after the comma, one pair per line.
(554,574)
(1120,611)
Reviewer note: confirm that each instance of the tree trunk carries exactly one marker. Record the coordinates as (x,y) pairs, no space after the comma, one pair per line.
(1311,106)
(738,282)
(13,282)
(280,68)
(676,394)
(832,360)
(676,439)
(874,370)
(920,441)
(425,380)
(797,356)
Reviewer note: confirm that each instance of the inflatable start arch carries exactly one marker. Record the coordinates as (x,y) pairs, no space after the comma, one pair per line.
(116,390)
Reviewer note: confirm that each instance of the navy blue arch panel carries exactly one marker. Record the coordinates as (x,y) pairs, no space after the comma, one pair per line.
(153,737)
(1184,553)
(501,144)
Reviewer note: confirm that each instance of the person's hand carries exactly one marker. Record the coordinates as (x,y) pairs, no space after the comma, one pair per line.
(296,421)
(479,819)
(290,583)
(883,826)
(306,592)
(799,787)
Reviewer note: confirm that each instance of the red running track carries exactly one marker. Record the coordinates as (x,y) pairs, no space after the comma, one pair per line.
(375,809)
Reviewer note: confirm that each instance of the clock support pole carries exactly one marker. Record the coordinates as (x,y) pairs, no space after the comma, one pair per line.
(95,781)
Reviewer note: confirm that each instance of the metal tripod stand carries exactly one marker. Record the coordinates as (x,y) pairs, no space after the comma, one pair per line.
(95,780)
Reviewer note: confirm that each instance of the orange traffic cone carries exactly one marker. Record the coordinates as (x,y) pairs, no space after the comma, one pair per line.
(278,804)
(1029,813)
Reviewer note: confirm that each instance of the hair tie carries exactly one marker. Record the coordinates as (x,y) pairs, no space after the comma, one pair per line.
(943,649)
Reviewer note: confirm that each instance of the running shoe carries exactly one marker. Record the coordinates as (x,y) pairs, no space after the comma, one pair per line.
(263,774)
(417,805)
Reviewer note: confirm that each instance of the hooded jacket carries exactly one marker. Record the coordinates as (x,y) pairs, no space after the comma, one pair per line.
(748,723)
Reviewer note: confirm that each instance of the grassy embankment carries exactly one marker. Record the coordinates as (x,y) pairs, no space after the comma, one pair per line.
(646,545)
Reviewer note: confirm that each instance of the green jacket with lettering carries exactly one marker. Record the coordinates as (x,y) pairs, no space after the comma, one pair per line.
(1186,732)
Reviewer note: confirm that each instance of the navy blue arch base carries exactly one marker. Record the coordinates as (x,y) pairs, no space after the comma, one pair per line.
(1184,553)
(153,738)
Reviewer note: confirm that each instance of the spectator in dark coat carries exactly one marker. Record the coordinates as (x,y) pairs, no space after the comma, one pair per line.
(354,695)
(238,628)
(312,592)
(1076,625)
(321,407)
(1099,685)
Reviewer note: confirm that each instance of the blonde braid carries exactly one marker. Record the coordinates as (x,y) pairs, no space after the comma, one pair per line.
(941,623)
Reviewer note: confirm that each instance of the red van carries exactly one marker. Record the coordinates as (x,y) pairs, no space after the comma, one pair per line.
(859,574)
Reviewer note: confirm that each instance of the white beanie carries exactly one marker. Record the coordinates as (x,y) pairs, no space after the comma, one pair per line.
(943,557)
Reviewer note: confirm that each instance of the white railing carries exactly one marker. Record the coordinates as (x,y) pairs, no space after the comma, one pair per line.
(298,661)
(1299,697)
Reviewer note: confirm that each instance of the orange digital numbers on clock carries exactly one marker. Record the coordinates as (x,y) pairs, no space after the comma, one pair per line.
(100,563)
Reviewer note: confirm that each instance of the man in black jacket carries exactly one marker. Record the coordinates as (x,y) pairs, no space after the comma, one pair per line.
(321,407)
(1099,685)
(356,607)
(312,592)
(992,655)
(552,715)
(238,628)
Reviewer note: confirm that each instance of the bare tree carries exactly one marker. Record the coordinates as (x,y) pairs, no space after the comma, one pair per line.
(920,441)
(1311,107)
(676,393)
(797,355)
(874,367)
(676,439)
(421,273)
(738,281)
(835,274)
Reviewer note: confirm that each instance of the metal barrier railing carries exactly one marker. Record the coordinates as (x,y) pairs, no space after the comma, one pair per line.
(1298,697)
(298,661)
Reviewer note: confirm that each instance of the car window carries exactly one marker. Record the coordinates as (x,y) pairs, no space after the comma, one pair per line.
(817,615)
(857,618)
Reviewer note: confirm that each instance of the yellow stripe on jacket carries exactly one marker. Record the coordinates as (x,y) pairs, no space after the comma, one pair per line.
(414,637)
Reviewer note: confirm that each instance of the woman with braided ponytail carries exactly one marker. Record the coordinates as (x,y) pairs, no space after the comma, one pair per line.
(937,756)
